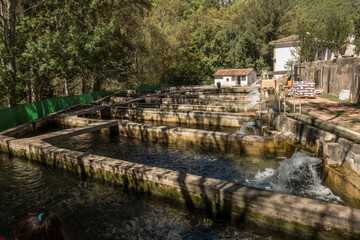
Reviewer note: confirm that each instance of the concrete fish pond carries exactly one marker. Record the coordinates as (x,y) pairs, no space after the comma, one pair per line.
(263,179)
(95,210)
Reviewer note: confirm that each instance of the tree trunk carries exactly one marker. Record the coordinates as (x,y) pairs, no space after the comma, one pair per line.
(83,85)
(31,93)
(8,62)
(94,84)
(66,89)
(12,44)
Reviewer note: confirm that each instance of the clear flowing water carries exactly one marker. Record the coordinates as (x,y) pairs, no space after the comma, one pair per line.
(297,175)
(249,128)
(251,104)
(94,210)
(253,96)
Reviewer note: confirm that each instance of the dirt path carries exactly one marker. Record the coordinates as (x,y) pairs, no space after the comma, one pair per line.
(331,111)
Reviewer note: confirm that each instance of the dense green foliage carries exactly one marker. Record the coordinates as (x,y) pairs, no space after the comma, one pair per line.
(323,24)
(322,10)
(79,46)
(357,31)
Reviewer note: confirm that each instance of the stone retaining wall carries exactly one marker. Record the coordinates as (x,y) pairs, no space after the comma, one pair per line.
(206,140)
(223,96)
(190,101)
(251,110)
(334,76)
(182,117)
(307,135)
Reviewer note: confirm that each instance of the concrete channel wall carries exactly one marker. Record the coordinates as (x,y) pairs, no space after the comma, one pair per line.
(206,140)
(295,214)
(334,149)
(227,96)
(232,103)
(206,108)
(244,110)
(187,137)
(341,156)
(182,117)
(307,135)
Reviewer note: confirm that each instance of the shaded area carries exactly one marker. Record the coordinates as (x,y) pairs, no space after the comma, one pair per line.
(91,210)
(245,203)
(341,114)
(17,115)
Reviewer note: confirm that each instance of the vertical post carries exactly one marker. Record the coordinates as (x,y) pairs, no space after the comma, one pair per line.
(300,105)
(300,71)
(284,105)
(278,96)
(261,99)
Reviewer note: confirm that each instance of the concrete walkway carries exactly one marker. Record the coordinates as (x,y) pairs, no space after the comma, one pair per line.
(330,111)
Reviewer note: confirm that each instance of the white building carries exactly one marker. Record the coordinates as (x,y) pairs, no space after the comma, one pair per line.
(235,77)
(285,53)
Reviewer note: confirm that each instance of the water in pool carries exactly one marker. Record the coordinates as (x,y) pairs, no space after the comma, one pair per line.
(226,166)
(297,175)
(95,210)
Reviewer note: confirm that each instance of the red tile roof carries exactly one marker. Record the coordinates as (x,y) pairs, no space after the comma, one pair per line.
(292,38)
(234,72)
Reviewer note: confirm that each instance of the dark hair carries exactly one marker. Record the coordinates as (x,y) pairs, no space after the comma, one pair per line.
(39,224)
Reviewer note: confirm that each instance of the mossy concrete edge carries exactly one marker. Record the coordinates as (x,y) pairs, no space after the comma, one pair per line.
(287,212)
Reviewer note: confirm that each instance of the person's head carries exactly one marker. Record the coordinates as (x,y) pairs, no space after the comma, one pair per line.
(39,224)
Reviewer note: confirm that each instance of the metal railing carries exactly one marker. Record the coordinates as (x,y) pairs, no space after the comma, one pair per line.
(281,98)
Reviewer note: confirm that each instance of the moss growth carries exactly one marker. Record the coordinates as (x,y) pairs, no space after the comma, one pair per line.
(303,148)
(3,148)
(327,129)
(336,179)
(192,200)
(272,147)
(299,230)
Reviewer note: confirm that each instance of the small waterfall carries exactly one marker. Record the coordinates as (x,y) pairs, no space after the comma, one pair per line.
(256,84)
(248,128)
(251,104)
(297,175)
(253,96)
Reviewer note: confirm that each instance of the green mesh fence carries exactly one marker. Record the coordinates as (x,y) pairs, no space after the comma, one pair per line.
(17,115)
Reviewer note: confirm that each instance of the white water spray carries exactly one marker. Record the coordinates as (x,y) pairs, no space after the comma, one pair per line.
(256,84)
(253,96)
(249,128)
(251,104)
(297,175)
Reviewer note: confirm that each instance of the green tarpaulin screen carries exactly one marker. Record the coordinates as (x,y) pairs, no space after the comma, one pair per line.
(17,115)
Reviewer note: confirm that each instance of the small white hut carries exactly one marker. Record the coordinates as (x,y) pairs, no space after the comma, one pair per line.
(235,77)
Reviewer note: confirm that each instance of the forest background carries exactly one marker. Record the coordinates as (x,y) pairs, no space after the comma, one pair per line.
(52,48)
